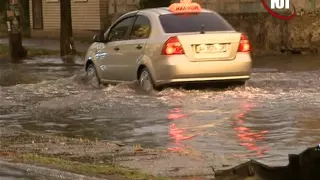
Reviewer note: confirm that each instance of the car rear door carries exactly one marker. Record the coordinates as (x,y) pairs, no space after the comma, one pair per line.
(133,48)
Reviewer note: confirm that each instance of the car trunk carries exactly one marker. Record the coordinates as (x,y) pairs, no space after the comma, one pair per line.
(211,46)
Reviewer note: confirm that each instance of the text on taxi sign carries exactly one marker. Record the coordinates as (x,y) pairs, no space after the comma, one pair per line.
(185,6)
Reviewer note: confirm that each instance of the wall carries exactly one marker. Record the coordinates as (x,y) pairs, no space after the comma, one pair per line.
(85,15)
(269,35)
(122,6)
(85,19)
(252,5)
(104,13)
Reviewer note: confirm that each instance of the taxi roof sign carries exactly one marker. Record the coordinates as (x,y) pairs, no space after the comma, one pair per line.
(185,6)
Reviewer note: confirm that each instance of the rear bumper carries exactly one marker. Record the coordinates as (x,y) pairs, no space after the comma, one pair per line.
(178,69)
(198,80)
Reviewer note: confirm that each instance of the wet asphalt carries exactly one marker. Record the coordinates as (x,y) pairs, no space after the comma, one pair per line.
(276,113)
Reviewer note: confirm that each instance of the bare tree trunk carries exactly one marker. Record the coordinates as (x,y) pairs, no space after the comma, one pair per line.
(16,50)
(67,48)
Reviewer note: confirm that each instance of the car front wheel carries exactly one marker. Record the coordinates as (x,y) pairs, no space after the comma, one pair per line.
(92,76)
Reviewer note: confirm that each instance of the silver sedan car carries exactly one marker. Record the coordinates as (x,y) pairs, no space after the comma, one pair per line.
(156,47)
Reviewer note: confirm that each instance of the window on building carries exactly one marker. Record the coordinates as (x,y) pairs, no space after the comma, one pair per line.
(37,14)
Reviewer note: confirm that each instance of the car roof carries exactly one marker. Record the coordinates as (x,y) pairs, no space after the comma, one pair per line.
(163,10)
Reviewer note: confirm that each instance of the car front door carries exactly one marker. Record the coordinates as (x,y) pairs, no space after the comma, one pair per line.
(133,49)
(117,35)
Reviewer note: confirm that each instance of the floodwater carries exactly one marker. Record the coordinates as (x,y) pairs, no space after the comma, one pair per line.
(276,113)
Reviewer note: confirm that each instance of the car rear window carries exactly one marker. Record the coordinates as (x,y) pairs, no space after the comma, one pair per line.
(173,23)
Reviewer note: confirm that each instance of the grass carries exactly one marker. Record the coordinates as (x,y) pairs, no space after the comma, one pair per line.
(84,168)
(66,160)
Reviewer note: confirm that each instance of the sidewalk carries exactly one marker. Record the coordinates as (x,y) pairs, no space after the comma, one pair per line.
(19,171)
(48,44)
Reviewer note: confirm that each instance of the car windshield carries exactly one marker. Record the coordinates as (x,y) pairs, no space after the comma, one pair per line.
(207,21)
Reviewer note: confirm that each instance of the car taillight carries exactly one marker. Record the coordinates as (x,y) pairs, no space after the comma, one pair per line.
(244,45)
(172,47)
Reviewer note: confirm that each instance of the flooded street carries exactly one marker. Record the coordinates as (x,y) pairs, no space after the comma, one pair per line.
(276,113)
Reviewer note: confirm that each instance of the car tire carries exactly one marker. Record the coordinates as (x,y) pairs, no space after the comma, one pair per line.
(92,76)
(145,81)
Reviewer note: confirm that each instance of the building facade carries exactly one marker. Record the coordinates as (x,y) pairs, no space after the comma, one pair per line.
(253,5)
(88,17)
(91,16)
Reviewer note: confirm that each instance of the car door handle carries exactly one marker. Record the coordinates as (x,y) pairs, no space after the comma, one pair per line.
(139,46)
(116,48)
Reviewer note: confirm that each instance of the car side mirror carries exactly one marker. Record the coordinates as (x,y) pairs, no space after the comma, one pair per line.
(99,38)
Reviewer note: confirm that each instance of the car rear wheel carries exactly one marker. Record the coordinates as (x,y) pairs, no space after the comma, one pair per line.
(145,81)
(92,77)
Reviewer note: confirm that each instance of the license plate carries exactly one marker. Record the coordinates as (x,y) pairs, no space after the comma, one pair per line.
(211,48)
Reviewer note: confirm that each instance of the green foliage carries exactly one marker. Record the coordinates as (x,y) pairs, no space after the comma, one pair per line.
(143,4)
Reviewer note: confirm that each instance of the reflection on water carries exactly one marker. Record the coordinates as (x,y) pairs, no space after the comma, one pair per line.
(275,114)
(248,137)
(178,134)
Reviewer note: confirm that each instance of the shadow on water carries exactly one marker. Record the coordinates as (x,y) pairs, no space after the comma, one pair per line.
(216,86)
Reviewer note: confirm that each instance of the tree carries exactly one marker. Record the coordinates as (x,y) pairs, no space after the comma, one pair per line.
(25,18)
(67,48)
(3,6)
(16,50)
(143,4)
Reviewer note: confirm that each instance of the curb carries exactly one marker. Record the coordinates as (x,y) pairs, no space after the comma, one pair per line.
(33,170)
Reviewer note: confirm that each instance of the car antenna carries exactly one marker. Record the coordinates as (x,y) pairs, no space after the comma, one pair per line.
(202,29)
